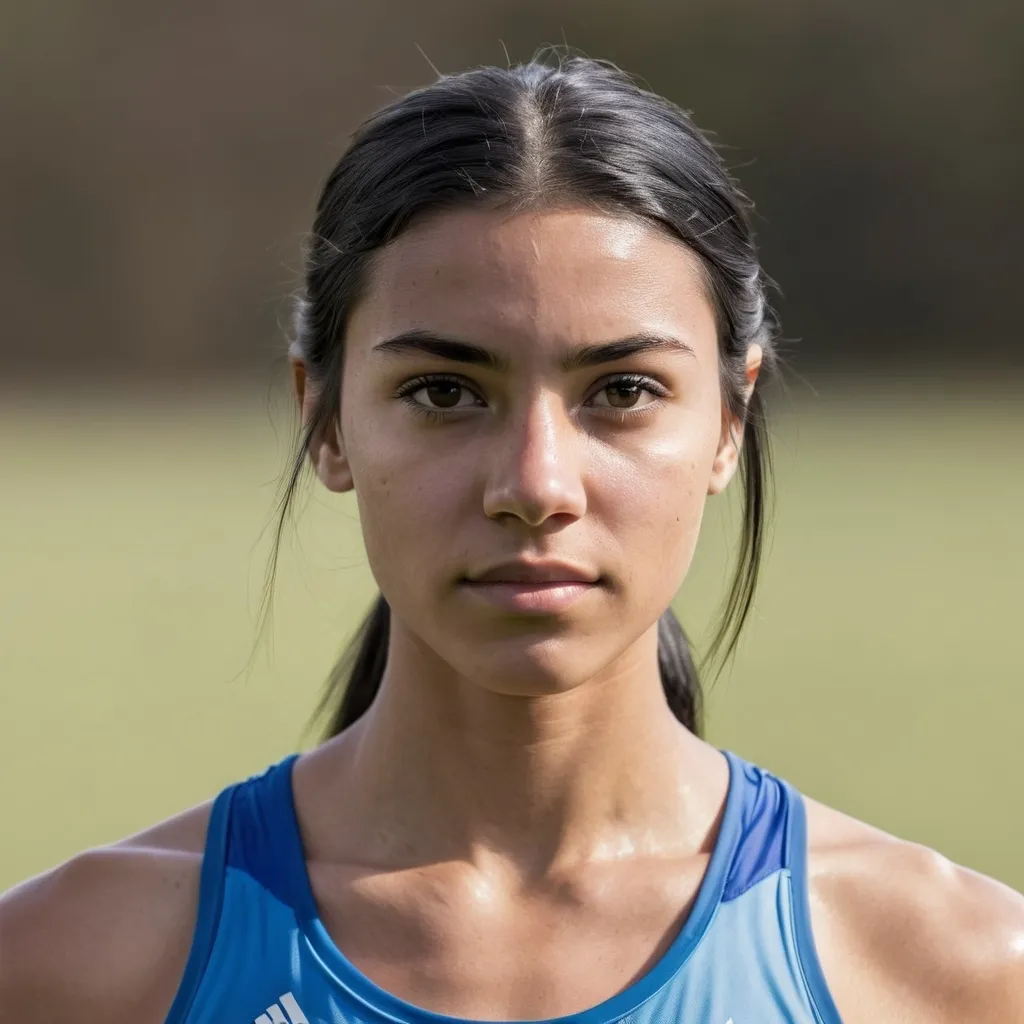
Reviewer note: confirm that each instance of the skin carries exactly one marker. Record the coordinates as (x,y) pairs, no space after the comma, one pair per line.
(544,800)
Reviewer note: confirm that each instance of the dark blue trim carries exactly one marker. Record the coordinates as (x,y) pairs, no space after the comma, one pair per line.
(264,837)
(211,898)
(761,850)
(291,856)
(807,953)
(379,1004)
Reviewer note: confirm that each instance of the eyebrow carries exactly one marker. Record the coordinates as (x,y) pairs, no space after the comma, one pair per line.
(578,357)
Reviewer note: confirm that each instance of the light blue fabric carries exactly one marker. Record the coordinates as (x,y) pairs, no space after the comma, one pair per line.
(745,955)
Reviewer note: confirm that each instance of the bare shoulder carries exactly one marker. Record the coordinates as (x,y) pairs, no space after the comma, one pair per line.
(104,936)
(905,934)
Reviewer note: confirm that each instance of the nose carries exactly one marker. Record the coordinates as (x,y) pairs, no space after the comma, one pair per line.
(535,469)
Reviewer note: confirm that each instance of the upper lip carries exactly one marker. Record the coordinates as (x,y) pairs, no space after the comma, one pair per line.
(523,571)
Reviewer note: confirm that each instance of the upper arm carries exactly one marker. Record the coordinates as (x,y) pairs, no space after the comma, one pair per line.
(904,934)
(104,937)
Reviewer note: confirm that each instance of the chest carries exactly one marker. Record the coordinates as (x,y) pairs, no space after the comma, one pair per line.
(462,943)
(476,951)
(386,957)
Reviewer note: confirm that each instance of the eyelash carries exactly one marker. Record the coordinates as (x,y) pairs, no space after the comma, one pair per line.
(410,387)
(648,384)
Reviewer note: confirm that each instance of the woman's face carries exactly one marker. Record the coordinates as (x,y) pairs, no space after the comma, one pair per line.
(531,418)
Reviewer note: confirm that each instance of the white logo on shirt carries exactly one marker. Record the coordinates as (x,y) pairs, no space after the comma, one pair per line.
(290,1014)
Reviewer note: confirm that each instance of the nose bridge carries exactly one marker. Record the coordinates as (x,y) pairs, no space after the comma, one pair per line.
(539,434)
(536,472)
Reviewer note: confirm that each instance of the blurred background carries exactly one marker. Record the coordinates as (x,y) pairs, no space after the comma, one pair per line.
(159,168)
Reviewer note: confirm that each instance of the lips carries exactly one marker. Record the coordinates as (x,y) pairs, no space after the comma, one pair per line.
(524,588)
(522,571)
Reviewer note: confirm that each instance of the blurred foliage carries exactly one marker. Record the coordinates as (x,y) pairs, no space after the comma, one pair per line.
(160,162)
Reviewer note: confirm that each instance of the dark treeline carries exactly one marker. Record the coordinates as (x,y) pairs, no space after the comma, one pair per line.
(160,162)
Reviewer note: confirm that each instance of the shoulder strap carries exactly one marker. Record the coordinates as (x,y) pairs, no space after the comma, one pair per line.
(211,898)
(264,839)
(761,848)
(814,977)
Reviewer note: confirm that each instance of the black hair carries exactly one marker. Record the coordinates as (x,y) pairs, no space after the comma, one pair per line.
(575,132)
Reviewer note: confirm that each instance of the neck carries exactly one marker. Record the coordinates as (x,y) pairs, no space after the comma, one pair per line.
(442,768)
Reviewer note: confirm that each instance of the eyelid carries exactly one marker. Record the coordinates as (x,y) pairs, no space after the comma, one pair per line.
(413,384)
(650,384)
(643,380)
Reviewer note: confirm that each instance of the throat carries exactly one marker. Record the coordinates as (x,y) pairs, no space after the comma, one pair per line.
(441,768)
(539,803)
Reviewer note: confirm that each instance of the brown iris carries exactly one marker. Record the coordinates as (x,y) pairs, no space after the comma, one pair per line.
(623,396)
(444,394)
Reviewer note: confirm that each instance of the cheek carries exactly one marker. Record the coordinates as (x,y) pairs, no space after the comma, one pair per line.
(407,504)
(653,506)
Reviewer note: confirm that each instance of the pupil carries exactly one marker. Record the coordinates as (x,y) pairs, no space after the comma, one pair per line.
(622,396)
(444,395)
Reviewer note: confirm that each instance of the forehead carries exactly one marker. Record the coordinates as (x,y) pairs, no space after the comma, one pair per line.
(555,276)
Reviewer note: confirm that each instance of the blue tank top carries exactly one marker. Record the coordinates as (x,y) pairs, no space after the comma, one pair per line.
(261,955)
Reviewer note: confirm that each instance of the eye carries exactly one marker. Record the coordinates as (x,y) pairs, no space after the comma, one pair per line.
(438,394)
(630,391)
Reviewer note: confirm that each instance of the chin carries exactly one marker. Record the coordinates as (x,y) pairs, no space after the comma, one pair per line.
(528,666)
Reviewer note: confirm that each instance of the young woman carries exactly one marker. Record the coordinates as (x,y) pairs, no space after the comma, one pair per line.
(531,339)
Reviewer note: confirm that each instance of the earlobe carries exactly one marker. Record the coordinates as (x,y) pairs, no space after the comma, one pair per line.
(326,447)
(726,460)
(327,452)
(730,441)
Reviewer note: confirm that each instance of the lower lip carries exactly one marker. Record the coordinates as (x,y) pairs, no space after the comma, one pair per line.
(535,598)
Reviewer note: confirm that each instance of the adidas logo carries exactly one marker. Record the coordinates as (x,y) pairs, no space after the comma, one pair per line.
(285,1011)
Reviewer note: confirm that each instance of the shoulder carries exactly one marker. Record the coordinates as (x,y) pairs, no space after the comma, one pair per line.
(105,936)
(903,933)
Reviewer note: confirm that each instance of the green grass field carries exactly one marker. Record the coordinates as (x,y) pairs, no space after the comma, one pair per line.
(883,671)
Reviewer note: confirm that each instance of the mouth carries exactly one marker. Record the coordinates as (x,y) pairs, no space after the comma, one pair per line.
(537,588)
(545,598)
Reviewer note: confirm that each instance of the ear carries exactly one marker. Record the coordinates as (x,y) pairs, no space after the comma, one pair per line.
(326,446)
(730,440)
